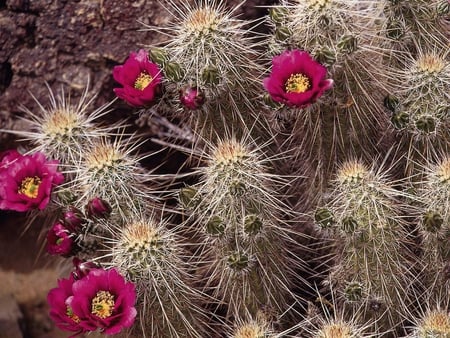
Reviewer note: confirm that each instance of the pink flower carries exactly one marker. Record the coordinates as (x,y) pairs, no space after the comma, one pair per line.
(60,311)
(59,241)
(296,79)
(103,299)
(26,181)
(140,78)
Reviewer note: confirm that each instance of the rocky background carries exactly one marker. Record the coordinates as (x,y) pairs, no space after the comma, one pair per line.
(61,43)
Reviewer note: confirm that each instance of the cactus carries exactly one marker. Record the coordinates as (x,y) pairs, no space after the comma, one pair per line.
(64,129)
(209,49)
(421,88)
(236,210)
(153,257)
(109,170)
(365,212)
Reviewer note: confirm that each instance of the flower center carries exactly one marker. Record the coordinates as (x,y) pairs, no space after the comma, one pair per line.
(71,315)
(30,186)
(59,241)
(103,304)
(142,81)
(297,83)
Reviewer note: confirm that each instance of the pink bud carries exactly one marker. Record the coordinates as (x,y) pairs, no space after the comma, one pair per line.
(98,208)
(191,97)
(72,219)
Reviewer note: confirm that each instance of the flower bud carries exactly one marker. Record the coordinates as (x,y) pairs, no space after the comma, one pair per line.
(432,221)
(426,124)
(210,75)
(353,291)
(283,33)
(324,218)
(72,219)
(349,224)
(400,119)
(443,8)
(252,224)
(158,55)
(394,29)
(191,97)
(347,44)
(98,208)
(278,14)
(391,103)
(238,261)
(325,56)
(173,71)
(188,197)
(215,226)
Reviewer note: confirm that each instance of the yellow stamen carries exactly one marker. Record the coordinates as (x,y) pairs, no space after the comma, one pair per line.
(30,186)
(71,315)
(297,83)
(142,81)
(103,304)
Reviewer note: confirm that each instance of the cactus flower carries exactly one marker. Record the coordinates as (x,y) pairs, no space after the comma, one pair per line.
(26,181)
(140,78)
(296,79)
(103,299)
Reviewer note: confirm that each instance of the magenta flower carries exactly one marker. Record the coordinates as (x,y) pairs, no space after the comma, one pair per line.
(103,299)
(140,78)
(59,241)
(60,311)
(26,181)
(296,79)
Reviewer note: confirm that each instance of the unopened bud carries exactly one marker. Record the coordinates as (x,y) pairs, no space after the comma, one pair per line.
(283,33)
(158,55)
(72,219)
(215,226)
(192,97)
(432,221)
(391,103)
(443,8)
(278,14)
(325,56)
(324,218)
(252,224)
(347,44)
(426,124)
(400,119)
(98,208)
(238,261)
(82,268)
(210,75)
(188,197)
(173,71)
(394,29)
